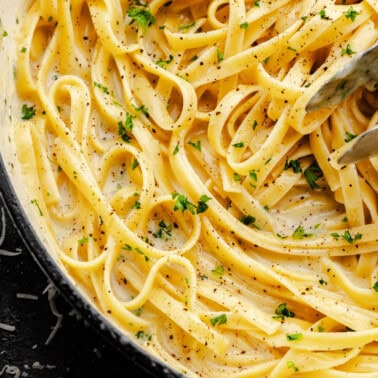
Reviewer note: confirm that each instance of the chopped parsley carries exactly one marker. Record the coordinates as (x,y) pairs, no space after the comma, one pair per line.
(126,127)
(176,149)
(218,270)
(182,203)
(347,236)
(237,177)
(282,311)
(134,164)
(5,33)
(142,16)
(347,50)
(186,26)
(127,247)
(23,50)
(83,240)
(291,365)
(312,174)
(248,219)
(255,123)
(294,336)
(164,231)
(252,175)
(300,233)
(322,282)
(348,137)
(322,14)
(142,109)
(102,87)
(27,112)
(375,286)
(136,205)
(244,25)
(256,3)
(351,13)
(196,145)
(220,319)
(238,145)
(163,63)
(294,164)
(35,202)
(141,335)
(202,204)
(219,55)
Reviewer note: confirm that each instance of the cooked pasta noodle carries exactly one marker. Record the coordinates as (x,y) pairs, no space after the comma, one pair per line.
(167,150)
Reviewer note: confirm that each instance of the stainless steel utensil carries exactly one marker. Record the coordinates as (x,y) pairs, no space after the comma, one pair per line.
(362,70)
(363,146)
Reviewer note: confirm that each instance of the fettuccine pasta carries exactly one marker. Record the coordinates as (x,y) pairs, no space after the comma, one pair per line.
(168,153)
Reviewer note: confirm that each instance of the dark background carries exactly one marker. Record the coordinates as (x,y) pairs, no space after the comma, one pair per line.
(76,350)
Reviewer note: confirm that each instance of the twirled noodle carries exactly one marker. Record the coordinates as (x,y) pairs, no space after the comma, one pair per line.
(168,152)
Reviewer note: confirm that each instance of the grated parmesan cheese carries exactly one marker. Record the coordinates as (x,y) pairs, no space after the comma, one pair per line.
(27,296)
(7,327)
(52,292)
(7,369)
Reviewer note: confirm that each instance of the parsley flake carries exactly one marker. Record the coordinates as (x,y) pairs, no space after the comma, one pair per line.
(294,336)
(202,205)
(351,14)
(182,203)
(300,233)
(142,16)
(187,26)
(291,365)
(282,311)
(348,137)
(102,87)
(126,127)
(248,219)
(196,145)
(312,174)
(347,50)
(163,63)
(238,145)
(220,319)
(294,164)
(141,335)
(218,270)
(27,112)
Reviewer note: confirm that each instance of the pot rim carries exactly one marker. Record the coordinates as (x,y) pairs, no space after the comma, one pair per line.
(132,352)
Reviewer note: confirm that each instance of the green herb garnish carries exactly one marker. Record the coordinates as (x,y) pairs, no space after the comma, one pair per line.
(27,112)
(347,50)
(294,164)
(142,16)
(196,145)
(202,204)
(351,13)
(294,336)
(282,311)
(220,319)
(312,174)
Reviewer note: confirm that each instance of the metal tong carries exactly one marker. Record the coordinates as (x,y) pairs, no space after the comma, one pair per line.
(362,70)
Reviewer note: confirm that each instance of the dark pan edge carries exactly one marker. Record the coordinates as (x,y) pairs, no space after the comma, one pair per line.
(132,351)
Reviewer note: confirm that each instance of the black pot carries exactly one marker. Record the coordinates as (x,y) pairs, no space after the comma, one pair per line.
(132,352)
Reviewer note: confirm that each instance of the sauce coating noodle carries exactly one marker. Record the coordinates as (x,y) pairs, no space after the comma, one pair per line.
(168,151)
